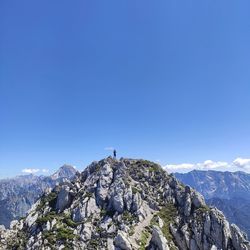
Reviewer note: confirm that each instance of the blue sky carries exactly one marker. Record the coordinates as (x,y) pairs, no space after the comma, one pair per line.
(162,80)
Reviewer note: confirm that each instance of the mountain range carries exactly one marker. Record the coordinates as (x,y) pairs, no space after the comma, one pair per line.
(123,204)
(18,194)
(228,191)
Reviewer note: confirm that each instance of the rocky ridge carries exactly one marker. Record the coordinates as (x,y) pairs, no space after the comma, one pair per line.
(228,191)
(123,205)
(18,194)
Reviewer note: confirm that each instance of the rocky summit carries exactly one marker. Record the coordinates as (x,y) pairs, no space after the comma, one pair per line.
(123,205)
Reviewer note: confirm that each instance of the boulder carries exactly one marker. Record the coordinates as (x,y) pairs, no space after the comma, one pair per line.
(122,242)
(158,239)
(198,200)
(105,180)
(137,201)
(187,205)
(63,198)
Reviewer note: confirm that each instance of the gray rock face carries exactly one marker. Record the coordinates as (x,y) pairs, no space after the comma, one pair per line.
(136,204)
(106,176)
(63,199)
(128,198)
(198,200)
(123,204)
(158,239)
(18,194)
(187,205)
(122,242)
(238,238)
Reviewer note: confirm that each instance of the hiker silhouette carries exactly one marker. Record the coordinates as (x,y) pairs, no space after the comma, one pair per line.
(114,153)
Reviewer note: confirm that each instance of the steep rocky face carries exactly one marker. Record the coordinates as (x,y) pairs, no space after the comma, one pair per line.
(236,211)
(123,204)
(17,195)
(230,192)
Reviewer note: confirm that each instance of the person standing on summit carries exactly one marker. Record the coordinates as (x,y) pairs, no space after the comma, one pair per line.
(114,153)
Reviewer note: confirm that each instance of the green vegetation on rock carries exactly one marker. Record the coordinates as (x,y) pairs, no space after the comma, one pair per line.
(145,235)
(167,214)
(50,198)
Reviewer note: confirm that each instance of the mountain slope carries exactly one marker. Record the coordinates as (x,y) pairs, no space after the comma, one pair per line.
(18,194)
(225,185)
(229,192)
(123,204)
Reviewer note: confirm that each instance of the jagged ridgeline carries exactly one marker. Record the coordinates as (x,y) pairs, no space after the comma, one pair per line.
(123,204)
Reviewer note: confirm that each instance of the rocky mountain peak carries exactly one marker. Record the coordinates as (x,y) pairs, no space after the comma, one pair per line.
(123,204)
(65,171)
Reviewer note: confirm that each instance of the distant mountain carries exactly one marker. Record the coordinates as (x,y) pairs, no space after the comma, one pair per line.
(66,171)
(18,194)
(228,191)
(123,204)
(225,185)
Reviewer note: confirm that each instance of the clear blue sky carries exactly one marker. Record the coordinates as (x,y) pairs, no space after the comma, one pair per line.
(162,80)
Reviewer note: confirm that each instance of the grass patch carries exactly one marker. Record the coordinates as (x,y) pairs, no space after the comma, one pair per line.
(135,190)
(62,234)
(93,244)
(131,231)
(144,239)
(204,209)
(128,217)
(201,211)
(167,214)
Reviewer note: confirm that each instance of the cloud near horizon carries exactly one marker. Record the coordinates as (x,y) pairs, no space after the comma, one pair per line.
(239,164)
(34,170)
(109,148)
(242,163)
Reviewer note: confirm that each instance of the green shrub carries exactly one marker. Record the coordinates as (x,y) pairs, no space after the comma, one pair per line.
(48,217)
(50,198)
(70,222)
(65,234)
(144,239)
(135,190)
(128,217)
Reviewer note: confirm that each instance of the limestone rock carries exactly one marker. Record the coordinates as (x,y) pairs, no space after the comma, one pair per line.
(63,199)
(137,201)
(198,200)
(106,176)
(113,205)
(238,239)
(121,241)
(158,239)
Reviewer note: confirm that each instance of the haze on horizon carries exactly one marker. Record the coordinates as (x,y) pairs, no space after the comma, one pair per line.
(164,81)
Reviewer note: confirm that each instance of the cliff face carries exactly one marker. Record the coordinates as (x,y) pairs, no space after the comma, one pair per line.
(228,191)
(123,204)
